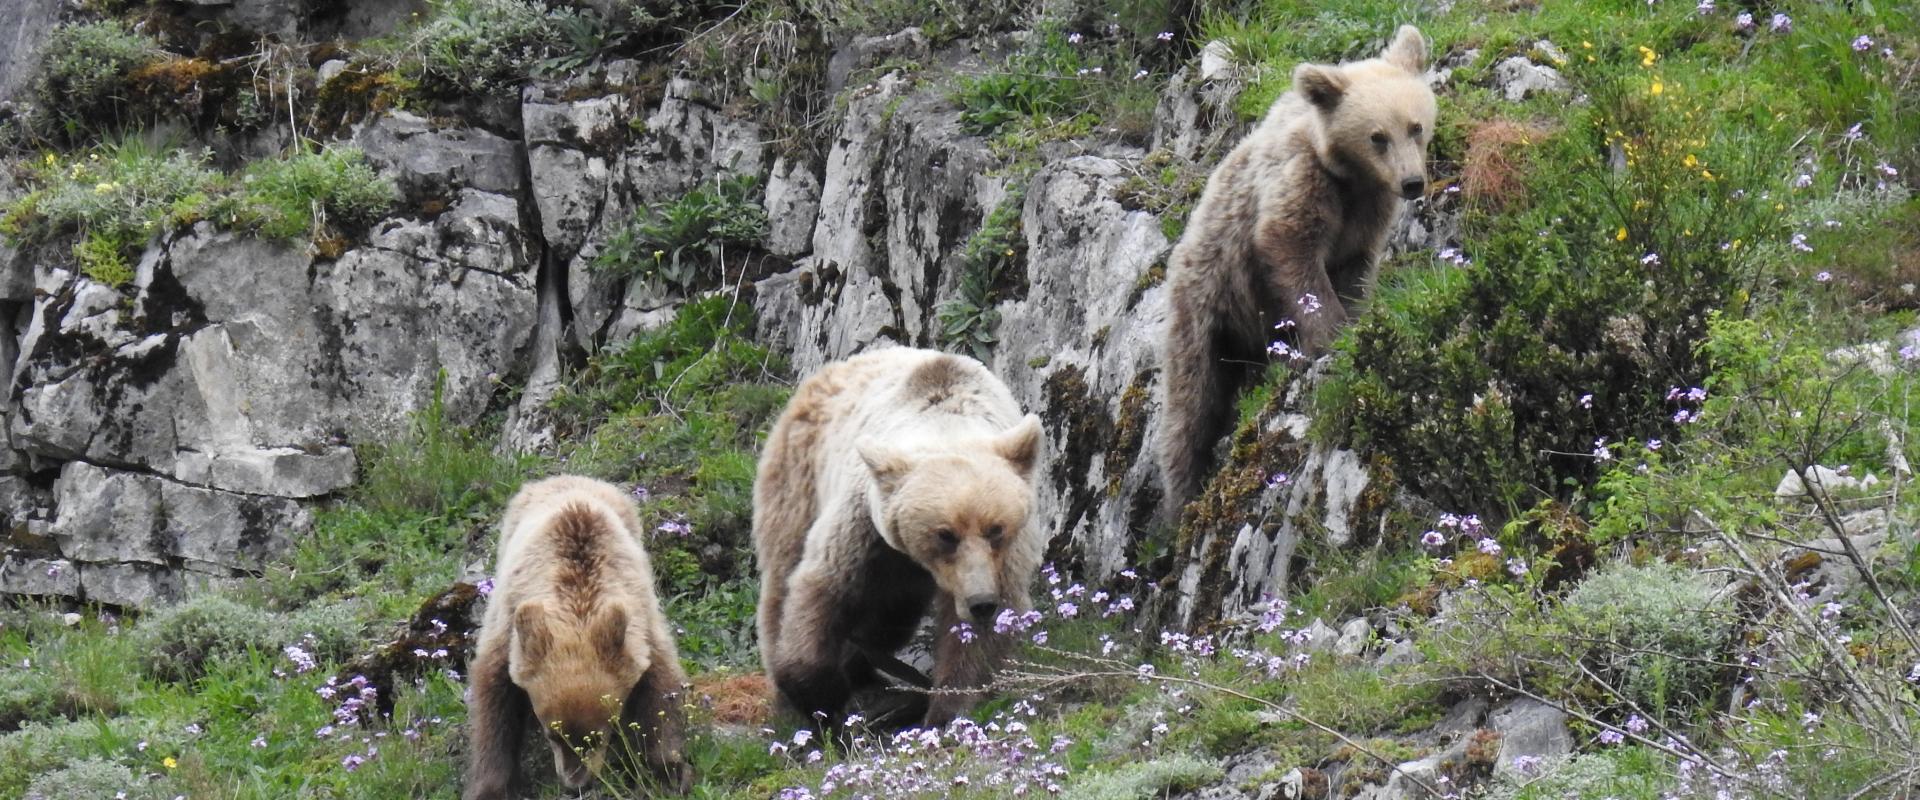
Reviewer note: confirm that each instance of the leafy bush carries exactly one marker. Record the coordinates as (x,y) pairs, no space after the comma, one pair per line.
(1143,780)
(1655,632)
(1632,775)
(994,255)
(179,641)
(482,46)
(92,777)
(111,202)
(685,240)
(307,193)
(82,81)
(1488,383)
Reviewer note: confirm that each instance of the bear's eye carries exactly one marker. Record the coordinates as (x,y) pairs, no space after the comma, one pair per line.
(1380,140)
(948,538)
(994,532)
(1416,130)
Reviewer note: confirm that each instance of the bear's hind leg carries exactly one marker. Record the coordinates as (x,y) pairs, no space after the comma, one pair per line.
(1200,389)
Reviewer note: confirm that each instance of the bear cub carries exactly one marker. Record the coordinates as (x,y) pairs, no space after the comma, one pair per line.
(1288,231)
(896,483)
(575,641)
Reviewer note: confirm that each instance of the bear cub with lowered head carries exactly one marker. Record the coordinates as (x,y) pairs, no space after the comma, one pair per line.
(574,637)
(1289,229)
(896,482)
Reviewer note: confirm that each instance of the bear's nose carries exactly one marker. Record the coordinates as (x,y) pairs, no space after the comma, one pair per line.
(983,607)
(1412,188)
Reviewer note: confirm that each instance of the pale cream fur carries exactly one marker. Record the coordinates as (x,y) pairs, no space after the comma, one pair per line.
(895,482)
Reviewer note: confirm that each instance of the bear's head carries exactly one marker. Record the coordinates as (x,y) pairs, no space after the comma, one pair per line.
(1376,116)
(577,673)
(960,511)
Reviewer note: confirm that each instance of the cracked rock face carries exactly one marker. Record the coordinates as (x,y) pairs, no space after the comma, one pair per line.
(187,415)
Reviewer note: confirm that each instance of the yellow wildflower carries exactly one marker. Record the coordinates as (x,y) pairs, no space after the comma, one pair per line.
(1647,56)
(169,763)
(1620,235)
(1708,174)
(1658,88)
(1691,162)
(1587,45)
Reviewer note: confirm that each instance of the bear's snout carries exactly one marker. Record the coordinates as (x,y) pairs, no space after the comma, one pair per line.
(1413,188)
(983,607)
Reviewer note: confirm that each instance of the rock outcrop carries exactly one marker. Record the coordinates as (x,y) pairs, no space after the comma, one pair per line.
(181,426)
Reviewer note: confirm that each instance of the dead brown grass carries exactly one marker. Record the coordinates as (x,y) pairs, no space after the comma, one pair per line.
(1493,176)
(736,699)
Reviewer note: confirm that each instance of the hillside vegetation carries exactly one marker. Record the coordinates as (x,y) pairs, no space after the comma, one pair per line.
(1657,393)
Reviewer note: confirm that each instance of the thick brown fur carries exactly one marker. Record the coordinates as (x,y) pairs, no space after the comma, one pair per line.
(574,639)
(896,482)
(1301,207)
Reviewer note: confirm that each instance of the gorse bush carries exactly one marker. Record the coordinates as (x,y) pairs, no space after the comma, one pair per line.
(684,242)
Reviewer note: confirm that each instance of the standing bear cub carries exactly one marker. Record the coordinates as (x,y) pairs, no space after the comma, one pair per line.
(895,481)
(1291,226)
(574,635)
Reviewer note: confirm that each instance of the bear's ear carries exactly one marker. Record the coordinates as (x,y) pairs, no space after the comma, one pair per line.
(1322,85)
(888,465)
(1408,51)
(531,636)
(610,635)
(1021,445)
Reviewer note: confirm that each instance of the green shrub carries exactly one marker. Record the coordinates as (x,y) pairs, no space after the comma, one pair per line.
(82,81)
(1144,780)
(692,362)
(1046,82)
(684,241)
(482,46)
(1656,633)
(111,202)
(304,194)
(1488,384)
(1635,774)
(87,778)
(27,695)
(994,256)
(178,642)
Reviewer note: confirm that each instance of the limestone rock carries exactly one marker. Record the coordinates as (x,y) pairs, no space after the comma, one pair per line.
(1518,78)
(1529,728)
(429,161)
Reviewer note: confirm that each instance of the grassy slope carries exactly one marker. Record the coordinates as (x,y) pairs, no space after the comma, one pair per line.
(679,413)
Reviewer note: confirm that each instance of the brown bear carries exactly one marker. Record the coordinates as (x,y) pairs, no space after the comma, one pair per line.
(1289,229)
(574,636)
(895,482)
